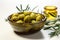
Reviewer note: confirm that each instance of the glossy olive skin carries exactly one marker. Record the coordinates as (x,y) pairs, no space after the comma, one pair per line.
(27,26)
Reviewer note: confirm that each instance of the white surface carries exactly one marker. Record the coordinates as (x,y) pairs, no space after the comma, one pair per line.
(8,6)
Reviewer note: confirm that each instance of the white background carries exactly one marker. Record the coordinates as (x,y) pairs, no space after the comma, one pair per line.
(9,6)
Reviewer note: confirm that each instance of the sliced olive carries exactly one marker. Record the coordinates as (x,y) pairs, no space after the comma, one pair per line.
(19,21)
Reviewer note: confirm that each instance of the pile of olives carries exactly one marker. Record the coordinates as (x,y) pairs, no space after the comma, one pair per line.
(26,17)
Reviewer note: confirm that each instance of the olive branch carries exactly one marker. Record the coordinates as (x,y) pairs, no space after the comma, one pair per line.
(55,28)
(26,9)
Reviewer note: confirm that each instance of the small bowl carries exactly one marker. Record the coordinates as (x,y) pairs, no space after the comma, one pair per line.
(27,28)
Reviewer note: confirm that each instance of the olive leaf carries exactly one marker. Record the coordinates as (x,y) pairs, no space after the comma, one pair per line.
(52,34)
(46,28)
(21,7)
(27,7)
(55,28)
(18,8)
(57,25)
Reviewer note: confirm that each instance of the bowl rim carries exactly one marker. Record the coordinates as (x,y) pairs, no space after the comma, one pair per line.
(43,19)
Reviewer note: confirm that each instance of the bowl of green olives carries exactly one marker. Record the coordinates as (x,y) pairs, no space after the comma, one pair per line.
(26,21)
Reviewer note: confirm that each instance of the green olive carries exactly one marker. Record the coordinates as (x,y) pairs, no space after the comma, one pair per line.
(19,21)
(26,13)
(27,18)
(15,14)
(38,14)
(38,18)
(33,16)
(33,21)
(21,16)
(14,18)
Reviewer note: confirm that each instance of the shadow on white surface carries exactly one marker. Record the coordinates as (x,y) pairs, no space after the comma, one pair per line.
(37,35)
